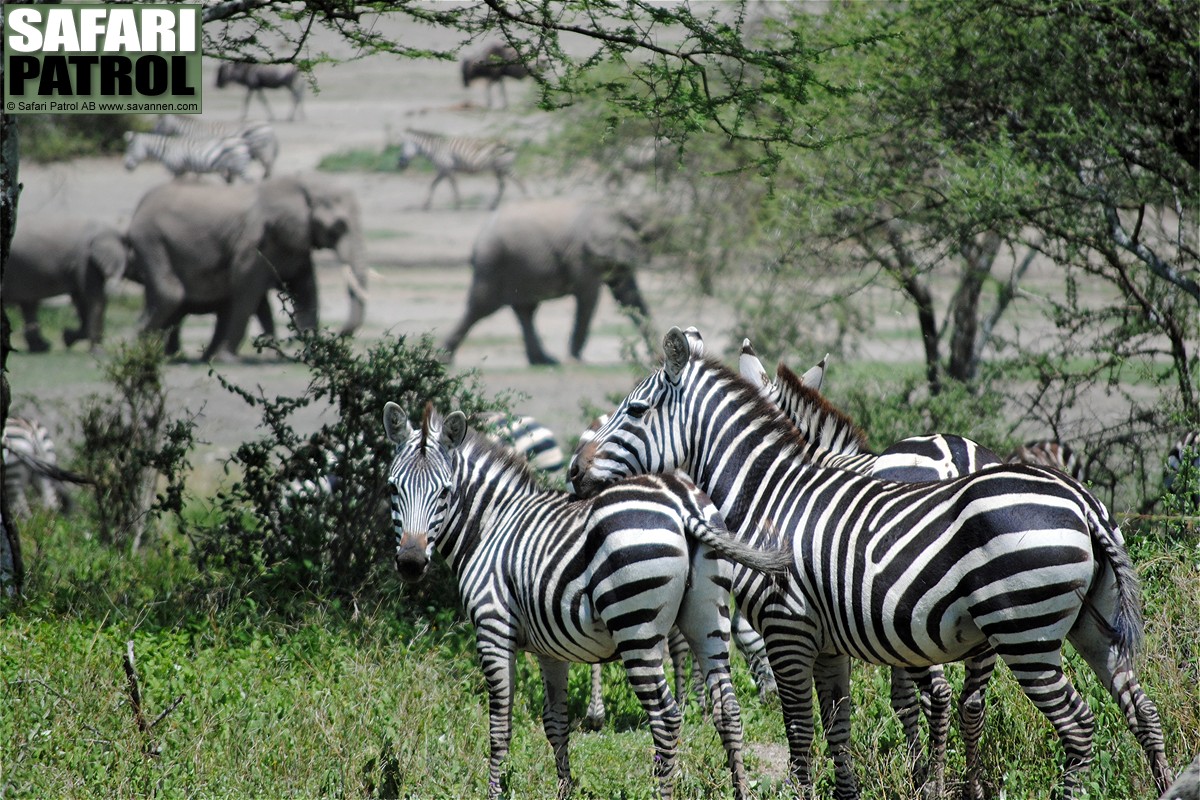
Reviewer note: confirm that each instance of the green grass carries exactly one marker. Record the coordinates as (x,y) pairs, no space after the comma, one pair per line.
(309,696)
(364,160)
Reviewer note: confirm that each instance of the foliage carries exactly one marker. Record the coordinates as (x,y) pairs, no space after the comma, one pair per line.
(309,510)
(57,137)
(129,441)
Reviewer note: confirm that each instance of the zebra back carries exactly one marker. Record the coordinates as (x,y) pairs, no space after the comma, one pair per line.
(456,153)
(1050,453)
(936,457)
(229,156)
(259,136)
(526,436)
(29,462)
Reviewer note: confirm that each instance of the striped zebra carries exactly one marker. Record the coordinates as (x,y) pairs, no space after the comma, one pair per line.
(257,77)
(913,460)
(1012,560)
(260,137)
(229,157)
(570,580)
(451,154)
(527,436)
(30,462)
(1050,453)
(1184,457)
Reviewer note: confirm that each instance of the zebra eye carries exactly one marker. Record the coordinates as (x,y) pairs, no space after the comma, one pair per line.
(637,410)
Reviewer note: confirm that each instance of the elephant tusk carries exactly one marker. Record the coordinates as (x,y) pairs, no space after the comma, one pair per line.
(356,287)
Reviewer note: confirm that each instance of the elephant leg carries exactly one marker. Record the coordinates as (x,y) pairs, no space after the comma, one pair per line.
(533,345)
(33,331)
(265,319)
(585,309)
(479,305)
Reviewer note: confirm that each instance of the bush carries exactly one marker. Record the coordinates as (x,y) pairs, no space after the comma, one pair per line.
(310,511)
(57,137)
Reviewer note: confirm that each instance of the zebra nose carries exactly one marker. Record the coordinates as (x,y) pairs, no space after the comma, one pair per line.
(411,558)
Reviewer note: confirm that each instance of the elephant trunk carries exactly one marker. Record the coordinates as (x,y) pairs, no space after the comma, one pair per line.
(350,251)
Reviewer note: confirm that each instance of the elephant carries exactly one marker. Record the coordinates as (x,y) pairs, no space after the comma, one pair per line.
(51,256)
(539,250)
(201,248)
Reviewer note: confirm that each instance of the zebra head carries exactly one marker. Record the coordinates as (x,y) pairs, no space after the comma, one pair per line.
(135,150)
(408,151)
(419,480)
(646,434)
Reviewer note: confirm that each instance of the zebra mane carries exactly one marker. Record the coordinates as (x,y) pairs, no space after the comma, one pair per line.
(750,397)
(425,420)
(828,426)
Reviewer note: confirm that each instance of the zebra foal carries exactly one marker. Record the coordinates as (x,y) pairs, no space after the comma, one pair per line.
(1012,560)
(570,580)
(228,157)
(259,137)
(451,154)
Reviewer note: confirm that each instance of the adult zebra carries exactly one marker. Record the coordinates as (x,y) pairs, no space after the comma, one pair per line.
(228,157)
(30,462)
(1013,559)
(1050,453)
(570,580)
(259,137)
(451,154)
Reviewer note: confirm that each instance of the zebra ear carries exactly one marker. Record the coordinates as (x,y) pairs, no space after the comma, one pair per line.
(454,429)
(678,353)
(395,423)
(815,376)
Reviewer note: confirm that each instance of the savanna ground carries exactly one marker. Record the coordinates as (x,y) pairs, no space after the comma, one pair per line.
(323,697)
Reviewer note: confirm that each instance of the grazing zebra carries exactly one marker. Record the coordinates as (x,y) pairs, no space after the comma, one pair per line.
(1050,453)
(913,460)
(259,136)
(1012,560)
(495,62)
(30,461)
(1184,454)
(570,580)
(257,77)
(228,157)
(451,154)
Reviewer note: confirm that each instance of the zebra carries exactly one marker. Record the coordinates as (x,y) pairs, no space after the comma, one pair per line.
(527,436)
(495,62)
(228,157)
(257,77)
(260,137)
(913,460)
(1184,457)
(1050,453)
(30,461)
(570,580)
(1010,560)
(451,154)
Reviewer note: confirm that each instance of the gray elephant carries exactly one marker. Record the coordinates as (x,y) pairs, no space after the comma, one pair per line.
(201,248)
(541,250)
(55,256)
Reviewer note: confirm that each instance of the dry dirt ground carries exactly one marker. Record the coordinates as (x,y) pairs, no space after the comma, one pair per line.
(419,259)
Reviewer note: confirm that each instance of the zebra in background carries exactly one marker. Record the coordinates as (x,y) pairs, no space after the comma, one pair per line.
(913,460)
(1012,560)
(1184,456)
(569,580)
(260,137)
(30,462)
(257,77)
(228,157)
(1050,453)
(451,154)
(527,436)
(495,62)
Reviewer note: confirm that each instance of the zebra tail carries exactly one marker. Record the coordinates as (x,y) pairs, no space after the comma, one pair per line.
(1126,624)
(712,532)
(52,471)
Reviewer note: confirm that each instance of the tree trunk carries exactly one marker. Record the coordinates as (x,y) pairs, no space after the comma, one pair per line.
(980,255)
(12,567)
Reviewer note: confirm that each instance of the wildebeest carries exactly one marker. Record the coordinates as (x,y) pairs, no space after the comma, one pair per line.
(256,77)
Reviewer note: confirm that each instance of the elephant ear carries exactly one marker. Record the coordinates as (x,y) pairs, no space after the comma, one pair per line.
(109,252)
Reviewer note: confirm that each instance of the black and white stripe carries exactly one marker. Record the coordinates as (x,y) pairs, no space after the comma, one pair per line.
(1012,560)
(257,77)
(570,580)
(524,434)
(30,463)
(259,137)
(1183,454)
(228,157)
(459,154)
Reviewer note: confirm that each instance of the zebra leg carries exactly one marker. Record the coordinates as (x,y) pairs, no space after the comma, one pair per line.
(594,720)
(832,676)
(755,651)
(644,667)
(436,180)
(935,694)
(1043,681)
(907,705)
(972,705)
(677,646)
(554,719)
(792,654)
(498,670)
(1118,676)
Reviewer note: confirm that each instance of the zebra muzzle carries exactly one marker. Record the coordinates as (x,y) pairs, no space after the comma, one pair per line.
(412,556)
